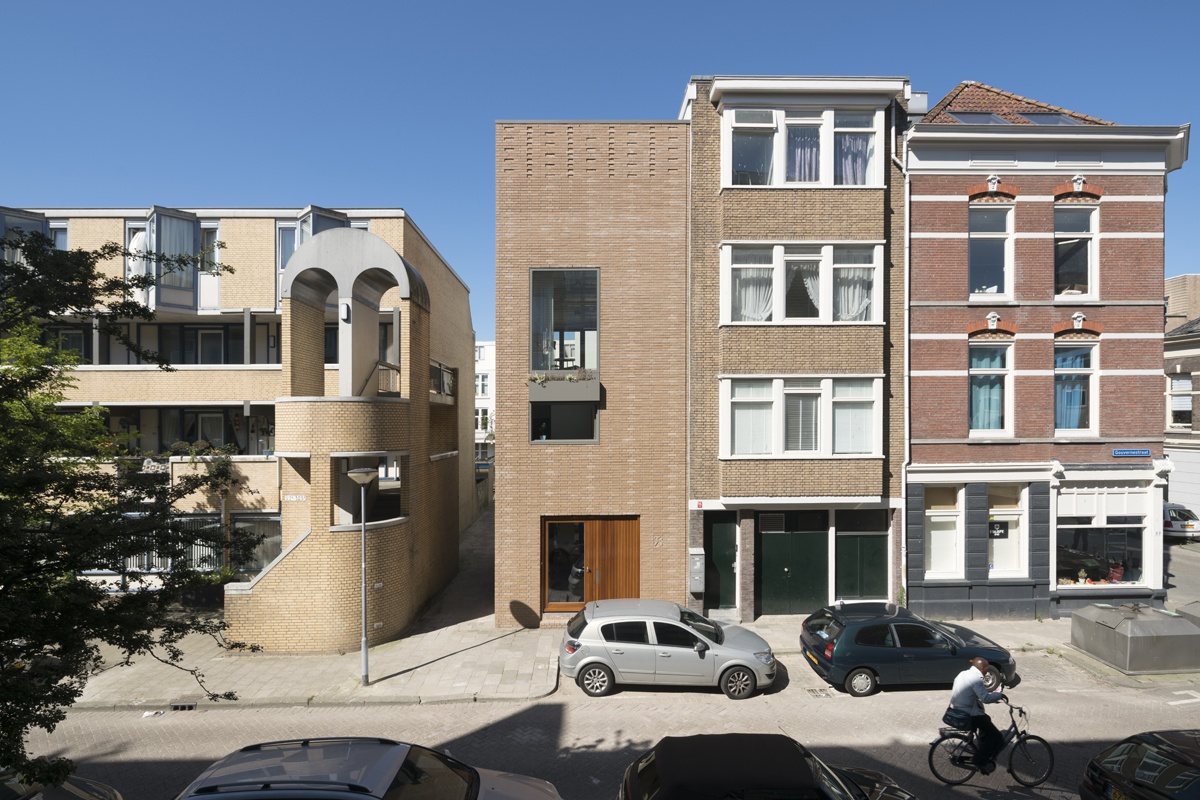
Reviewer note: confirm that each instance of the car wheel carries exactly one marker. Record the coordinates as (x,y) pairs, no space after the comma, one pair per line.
(862,682)
(596,680)
(738,683)
(991,679)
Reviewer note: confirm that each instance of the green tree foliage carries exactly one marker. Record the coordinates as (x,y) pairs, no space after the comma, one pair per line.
(73,501)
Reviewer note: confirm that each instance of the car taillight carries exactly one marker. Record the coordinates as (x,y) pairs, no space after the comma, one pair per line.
(829,651)
(571,646)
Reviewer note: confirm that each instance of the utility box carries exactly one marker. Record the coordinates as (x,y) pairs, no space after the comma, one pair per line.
(696,570)
(1136,638)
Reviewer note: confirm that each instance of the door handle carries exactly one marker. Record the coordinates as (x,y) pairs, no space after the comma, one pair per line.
(618,652)
(908,657)
(664,655)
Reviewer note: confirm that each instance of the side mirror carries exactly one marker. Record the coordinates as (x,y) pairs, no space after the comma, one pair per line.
(700,646)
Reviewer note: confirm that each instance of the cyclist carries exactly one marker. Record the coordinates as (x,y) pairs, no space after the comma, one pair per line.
(968,695)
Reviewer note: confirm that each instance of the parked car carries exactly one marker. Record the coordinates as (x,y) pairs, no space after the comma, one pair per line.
(862,645)
(13,787)
(1180,522)
(356,767)
(747,765)
(1157,765)
(659,642)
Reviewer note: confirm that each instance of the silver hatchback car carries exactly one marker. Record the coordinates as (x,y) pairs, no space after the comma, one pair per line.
(656,641)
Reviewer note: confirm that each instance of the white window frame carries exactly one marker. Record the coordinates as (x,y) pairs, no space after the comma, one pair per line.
(1093,373)
(809,116)
(481,384)
(1004,292)
(1093,251)
(1179,396)
(780,260)
(481,419)
(56,225)
(1019,515)
(956,516)
(280,264)
(1006,372)
(825,418)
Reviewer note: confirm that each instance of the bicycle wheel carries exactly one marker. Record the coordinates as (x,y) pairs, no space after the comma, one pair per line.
(950,758)
(1031,760)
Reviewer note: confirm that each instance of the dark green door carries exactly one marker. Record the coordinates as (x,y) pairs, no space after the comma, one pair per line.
(861,572)
(794,571)
(720,548)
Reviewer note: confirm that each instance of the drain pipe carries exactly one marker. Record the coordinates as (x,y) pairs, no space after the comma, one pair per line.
(901,163)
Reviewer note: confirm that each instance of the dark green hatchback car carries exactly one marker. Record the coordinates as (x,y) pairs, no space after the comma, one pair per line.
(863,645)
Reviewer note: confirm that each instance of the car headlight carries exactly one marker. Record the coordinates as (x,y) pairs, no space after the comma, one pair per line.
(766,657)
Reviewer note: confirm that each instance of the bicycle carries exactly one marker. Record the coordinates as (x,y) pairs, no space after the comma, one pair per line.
(1030,761)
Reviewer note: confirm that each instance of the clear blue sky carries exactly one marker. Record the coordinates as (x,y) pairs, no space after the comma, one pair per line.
(393,104)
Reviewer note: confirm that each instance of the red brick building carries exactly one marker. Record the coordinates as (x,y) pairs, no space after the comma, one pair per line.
(1035,357)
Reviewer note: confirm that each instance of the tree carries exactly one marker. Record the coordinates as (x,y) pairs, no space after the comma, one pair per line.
(69,503)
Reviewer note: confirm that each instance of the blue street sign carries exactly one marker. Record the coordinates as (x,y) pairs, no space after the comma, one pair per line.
(1141,452)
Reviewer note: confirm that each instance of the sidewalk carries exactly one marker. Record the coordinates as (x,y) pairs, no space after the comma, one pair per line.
(454,653)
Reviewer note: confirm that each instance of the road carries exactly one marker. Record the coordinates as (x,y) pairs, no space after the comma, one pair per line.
(582,744)
(1183,572)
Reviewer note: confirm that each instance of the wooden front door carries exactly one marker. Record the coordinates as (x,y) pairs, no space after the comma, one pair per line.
(589,559)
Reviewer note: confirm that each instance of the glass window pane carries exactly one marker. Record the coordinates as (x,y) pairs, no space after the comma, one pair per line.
(853,288)
(1072,357)
(1006,551)
(754,390)
(1002,495)
(564,317)
(1073,220)
(987,402)
(753,295)
(287,245)
(752,157)
(941,545)
(854,119)
(800,422)
(988,220)
(803,290)
(853,254)
(853,387)
(803,153)
(752,116)
(941,498)
(1071,265)
(853,158)
(988,357)
(853,427)
(986,259)
(1071,402)
(751,256)
(751,428)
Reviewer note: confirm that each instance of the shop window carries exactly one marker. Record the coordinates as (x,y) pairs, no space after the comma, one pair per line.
(944,538)
(1098,550)
(1007,541)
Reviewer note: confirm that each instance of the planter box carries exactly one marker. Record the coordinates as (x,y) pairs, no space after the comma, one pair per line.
(564,391)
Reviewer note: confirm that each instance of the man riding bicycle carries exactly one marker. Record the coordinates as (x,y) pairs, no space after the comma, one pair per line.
(968,695)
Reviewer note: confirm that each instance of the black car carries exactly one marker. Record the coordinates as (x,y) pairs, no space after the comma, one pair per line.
(863,645)
(764,765)
(1156,766)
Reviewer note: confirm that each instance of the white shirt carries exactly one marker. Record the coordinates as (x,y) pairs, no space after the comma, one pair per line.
(969,694)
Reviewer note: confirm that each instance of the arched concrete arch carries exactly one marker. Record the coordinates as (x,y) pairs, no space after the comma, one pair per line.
(359,267)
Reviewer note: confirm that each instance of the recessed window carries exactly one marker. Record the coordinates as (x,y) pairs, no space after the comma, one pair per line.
(563,421)
(990,374)
(989,250)
(1181,401)
(564,319)
(1074,251)
(944,544)
(796,284)
(802,146)
(1006,531)
(1074,378)
(801,417)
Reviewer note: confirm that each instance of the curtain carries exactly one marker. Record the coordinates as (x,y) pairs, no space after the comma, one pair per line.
(853,154)
(804,299)
(751,421)
(212,429)
(176,237)
(752,294)
(852,294)
(987,402)
(1070,402)
(804,154)
(541,319)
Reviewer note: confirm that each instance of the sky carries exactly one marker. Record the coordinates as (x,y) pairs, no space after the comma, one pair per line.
(258,103)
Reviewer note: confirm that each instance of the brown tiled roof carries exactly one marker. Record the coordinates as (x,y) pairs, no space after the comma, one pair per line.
(971,96)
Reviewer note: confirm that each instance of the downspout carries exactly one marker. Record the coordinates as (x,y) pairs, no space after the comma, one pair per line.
(902,164)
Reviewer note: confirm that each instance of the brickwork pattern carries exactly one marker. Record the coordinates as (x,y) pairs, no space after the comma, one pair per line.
(90,233)
(610,197)
(250,250)
(198,385)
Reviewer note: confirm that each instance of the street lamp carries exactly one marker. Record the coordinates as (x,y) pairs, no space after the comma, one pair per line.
(364,477)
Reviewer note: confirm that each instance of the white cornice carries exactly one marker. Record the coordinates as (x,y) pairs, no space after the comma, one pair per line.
(779,85)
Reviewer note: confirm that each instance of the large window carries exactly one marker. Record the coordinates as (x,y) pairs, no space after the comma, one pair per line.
(803,147)
(1074,388)
(1006,531)
(801,417)
(801,284)
(989,250)
(944,541)
(990,375)
(564,319)
(563,422)
(1074,251)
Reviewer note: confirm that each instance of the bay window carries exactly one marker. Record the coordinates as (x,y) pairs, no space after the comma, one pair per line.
(799,284)
(802,146)
(801,417)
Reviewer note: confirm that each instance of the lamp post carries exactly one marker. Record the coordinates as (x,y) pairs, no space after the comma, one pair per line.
(364,476)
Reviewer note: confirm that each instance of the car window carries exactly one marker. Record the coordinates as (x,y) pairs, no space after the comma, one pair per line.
(823,624)
(673,635)
(1182,514)
(576,625)
(918,636)
(875,636)
(426,774)
(703,625)
(626,632)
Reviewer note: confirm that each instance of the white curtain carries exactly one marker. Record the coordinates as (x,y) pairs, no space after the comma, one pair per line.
(212,429)
(853,154)
(803,154)
(752,295)
(176,237)
(808,304)
(852,291)
(853,420)
(750,421)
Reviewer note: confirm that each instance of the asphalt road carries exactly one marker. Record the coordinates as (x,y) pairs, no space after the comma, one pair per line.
(583,745)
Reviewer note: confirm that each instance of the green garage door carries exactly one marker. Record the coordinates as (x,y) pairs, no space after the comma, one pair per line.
(861,572)
(794,562)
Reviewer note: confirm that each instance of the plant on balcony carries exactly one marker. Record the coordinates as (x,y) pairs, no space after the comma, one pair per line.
(539,378)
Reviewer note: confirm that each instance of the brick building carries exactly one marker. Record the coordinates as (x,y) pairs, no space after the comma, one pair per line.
(338,342)
(1035,362)
(698,325)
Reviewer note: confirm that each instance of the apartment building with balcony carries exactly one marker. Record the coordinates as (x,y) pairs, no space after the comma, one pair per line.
(698,326)
(338,341)
(1035,321)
